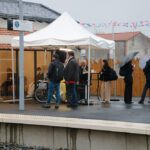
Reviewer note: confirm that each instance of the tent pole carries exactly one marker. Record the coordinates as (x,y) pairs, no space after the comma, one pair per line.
(45,60)
(89,73)
(115,70)
(113,38)
(13,71)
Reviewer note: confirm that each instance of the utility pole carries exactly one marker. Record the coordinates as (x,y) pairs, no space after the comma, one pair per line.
(21,84)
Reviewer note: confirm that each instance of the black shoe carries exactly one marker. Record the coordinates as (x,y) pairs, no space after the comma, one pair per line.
(74,106)
(56,106)
(46,106)
(69,105)
(141,102)
(128,102)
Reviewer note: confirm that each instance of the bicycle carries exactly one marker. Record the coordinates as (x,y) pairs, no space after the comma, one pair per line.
(41,92)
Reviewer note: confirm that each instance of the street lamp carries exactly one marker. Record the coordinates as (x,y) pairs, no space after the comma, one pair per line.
(21,84)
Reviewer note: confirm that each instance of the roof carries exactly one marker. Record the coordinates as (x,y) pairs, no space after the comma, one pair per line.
(120,36)
(9,9)
(64,31)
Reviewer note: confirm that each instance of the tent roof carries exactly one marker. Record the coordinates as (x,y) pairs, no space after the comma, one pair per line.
(64,32)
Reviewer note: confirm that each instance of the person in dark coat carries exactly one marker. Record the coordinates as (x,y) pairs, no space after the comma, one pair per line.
(40,75)
(107,74)
(127,72)
(149,96)
(83,75)
(7,83)
(54,83)
(83,80)
(146,71)
(71,75)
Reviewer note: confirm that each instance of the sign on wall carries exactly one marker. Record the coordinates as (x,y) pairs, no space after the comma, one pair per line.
(20,25)
(23,25)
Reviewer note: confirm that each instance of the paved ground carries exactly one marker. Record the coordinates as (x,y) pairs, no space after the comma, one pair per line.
(116,111)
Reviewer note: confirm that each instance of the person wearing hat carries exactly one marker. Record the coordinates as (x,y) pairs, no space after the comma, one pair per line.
(55,75)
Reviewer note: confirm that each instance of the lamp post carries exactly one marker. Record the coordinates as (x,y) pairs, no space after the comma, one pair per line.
(21,84)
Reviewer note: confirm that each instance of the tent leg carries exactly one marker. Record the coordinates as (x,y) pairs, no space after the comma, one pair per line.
(45,60)
(89,73)
(113,38)
(13,71)
(114,69)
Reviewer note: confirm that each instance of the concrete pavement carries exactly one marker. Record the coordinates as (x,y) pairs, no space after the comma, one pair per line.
(116,111)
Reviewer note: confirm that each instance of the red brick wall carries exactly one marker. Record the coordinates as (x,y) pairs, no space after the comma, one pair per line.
(5,46)
(4,31)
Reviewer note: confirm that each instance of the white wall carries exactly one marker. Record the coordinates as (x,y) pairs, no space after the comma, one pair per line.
(139,43)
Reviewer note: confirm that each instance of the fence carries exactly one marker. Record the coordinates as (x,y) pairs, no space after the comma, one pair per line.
(138,79)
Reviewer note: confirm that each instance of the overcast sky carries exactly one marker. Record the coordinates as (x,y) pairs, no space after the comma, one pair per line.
(98,11)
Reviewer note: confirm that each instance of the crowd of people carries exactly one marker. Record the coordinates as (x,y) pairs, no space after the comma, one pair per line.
(75,74)
(70,73)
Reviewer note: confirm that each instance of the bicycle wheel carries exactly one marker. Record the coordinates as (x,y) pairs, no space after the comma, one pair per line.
(41,95)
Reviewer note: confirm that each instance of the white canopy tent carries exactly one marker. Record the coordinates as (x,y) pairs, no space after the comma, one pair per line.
(66,32)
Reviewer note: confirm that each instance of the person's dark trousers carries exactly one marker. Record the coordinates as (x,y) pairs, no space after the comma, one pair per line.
(149,93)
(68,94)
(81,92)
(6,86)
(146,87)
(128,90)
(73,92)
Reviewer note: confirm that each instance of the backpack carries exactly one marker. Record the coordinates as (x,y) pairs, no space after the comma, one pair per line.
(113,75)
(58,71)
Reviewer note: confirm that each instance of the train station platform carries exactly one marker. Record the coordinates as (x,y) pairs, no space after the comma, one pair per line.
(116,111)
(84,128)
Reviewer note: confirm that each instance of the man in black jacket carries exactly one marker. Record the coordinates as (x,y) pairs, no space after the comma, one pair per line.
(55,75)
(127,72)
(71,75)
(146,71)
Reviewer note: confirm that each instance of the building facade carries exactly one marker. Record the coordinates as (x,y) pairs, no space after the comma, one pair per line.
(33,58)
(126,43)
